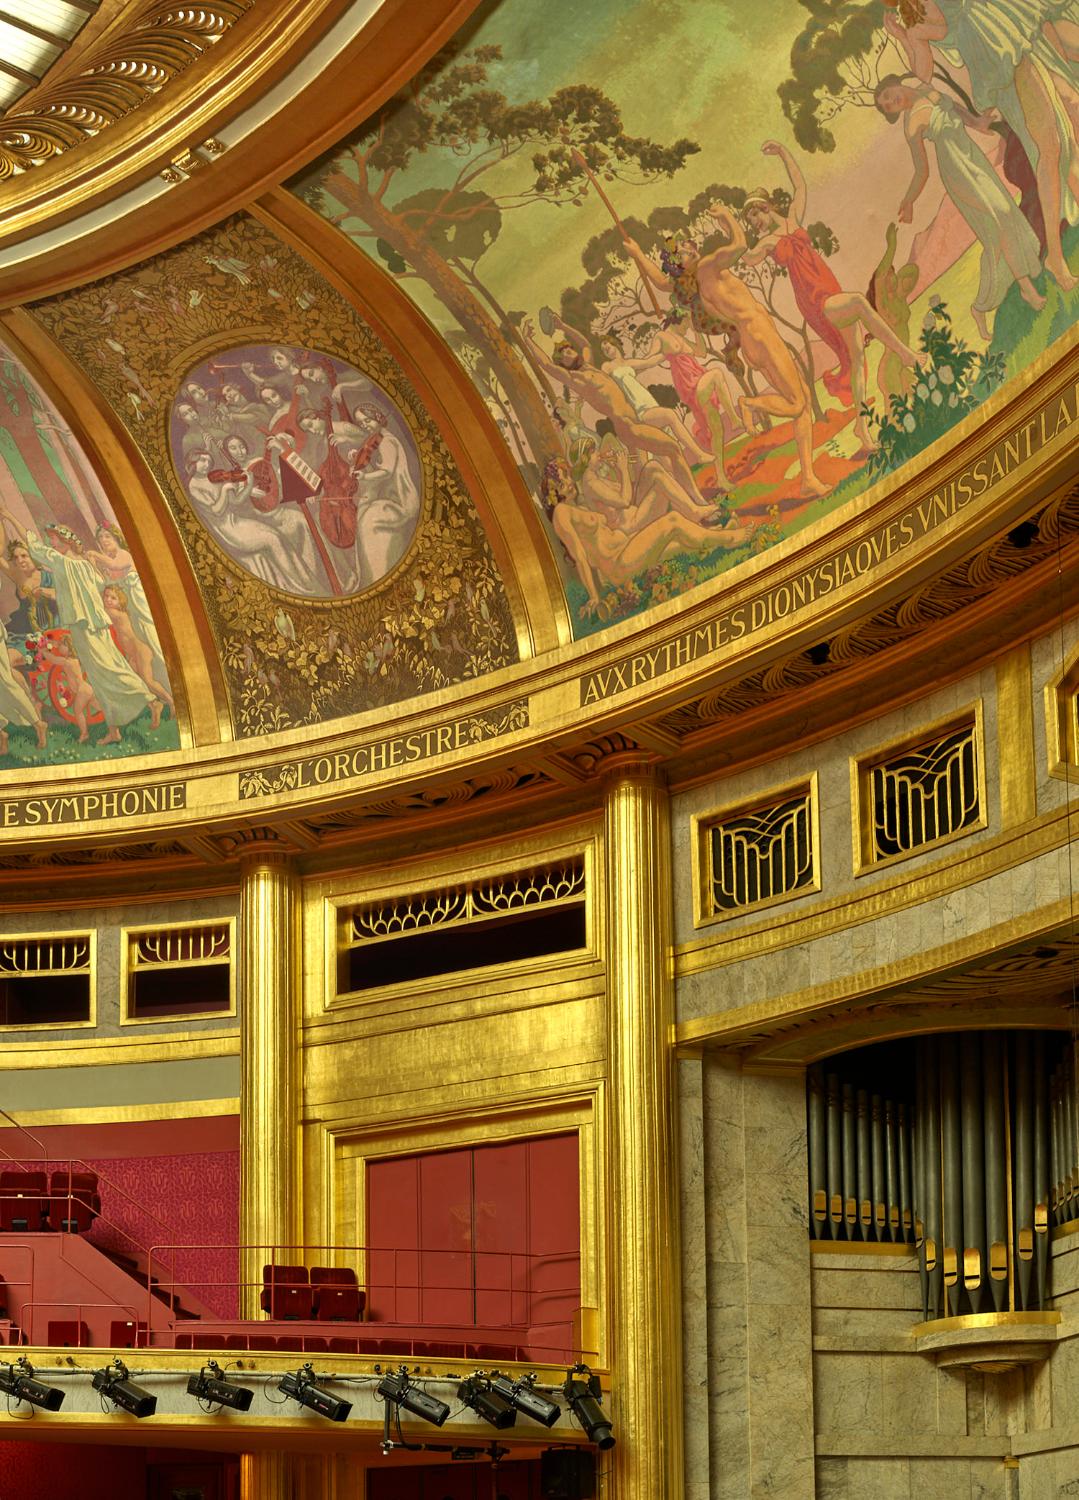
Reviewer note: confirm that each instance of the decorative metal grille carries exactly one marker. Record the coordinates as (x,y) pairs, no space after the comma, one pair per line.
(498,895)
(177,947)
(67,954)
(762,854)
(925,794)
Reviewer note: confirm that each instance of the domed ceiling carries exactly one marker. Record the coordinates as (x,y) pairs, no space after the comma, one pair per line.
(607,318)
(717,267)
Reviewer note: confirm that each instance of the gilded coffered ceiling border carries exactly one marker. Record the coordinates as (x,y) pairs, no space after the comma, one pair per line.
(212,135)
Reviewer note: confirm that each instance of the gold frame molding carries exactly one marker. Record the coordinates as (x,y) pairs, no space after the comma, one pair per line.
(701,825)
(126,935)
(511,1119)
(59,935)
(865,762)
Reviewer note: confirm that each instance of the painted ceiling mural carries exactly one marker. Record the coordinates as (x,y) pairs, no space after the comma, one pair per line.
(338,553)
(717,266)
(82,672)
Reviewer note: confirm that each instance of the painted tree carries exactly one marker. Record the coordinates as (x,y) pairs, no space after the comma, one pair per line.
(450,116)
(839,57)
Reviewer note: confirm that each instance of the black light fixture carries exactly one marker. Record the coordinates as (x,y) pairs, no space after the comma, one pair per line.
(210,1385)
(583,1391)
(18,1380)
(479,1395)
(114,1385)
(302,1388)
(522,1395)
(395,1386)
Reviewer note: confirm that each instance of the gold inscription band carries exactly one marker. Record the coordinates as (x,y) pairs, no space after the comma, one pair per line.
(83,807)
(845,566)
(382,755)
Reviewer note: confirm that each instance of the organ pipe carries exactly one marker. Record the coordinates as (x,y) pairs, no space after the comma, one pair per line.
(1023,1158)
(996,1195)
(1041,1171)
(962,1146)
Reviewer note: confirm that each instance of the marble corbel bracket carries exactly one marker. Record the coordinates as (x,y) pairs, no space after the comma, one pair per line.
(988,1343)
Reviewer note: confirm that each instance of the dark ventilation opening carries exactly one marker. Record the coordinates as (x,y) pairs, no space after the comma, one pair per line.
(200,989)
(44,999)
(475,945)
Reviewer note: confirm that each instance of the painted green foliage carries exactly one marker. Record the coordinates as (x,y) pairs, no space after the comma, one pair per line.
(711,264)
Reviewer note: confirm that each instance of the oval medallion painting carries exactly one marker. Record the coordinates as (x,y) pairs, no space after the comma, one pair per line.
(301,469)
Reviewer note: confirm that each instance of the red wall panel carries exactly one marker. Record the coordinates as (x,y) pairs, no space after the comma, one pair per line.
(163,1181)
(393,1238)
(446,1237)
(491,1233)
(71,1471)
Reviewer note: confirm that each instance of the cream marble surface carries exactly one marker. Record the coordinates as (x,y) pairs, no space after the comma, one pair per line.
(688,1082)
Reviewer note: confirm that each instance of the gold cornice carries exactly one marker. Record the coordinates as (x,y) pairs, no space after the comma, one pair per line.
(127,1114)
(897,891)
(144,49)
(80,1051)
(792,1028)
(259,52)
(201,705)
(538,712)
(510,519)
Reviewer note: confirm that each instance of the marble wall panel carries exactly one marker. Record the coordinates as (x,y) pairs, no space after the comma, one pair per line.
(694,1278)
(108,923)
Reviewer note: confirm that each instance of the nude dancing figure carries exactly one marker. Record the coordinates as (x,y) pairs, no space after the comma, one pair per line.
(572,364)
(840,318)
(624,369)
(710,281)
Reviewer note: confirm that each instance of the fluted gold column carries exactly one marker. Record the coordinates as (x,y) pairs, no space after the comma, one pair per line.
(644,1280)
(269,1049)
(268,1476)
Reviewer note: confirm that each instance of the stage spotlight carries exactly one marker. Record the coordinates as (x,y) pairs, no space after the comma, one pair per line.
(302,1388)
(210,1385)
(114,1386)
(523,1395)
(18,1380)
(479,1395)
(582,1390)
(395,1386)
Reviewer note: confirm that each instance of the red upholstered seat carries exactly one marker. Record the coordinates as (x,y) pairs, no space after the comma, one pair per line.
(68,1334)
(341,1346)
(74,1202)
(207,1340)
(23,1201)
(337,1296)
(286,1292)
(236,1341)
(261,1341)
(183,1341)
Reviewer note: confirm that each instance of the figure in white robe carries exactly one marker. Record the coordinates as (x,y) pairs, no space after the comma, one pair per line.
(275,546)
(17,703)
(387,497)
(121,693)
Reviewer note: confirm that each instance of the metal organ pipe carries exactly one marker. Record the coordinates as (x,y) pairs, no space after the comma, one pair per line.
(970,1159)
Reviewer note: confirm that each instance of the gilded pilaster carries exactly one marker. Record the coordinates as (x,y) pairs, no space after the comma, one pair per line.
(645,1300)
(268,1476)
(269,1056)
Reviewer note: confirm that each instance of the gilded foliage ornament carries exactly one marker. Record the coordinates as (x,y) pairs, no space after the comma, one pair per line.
(438,616)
